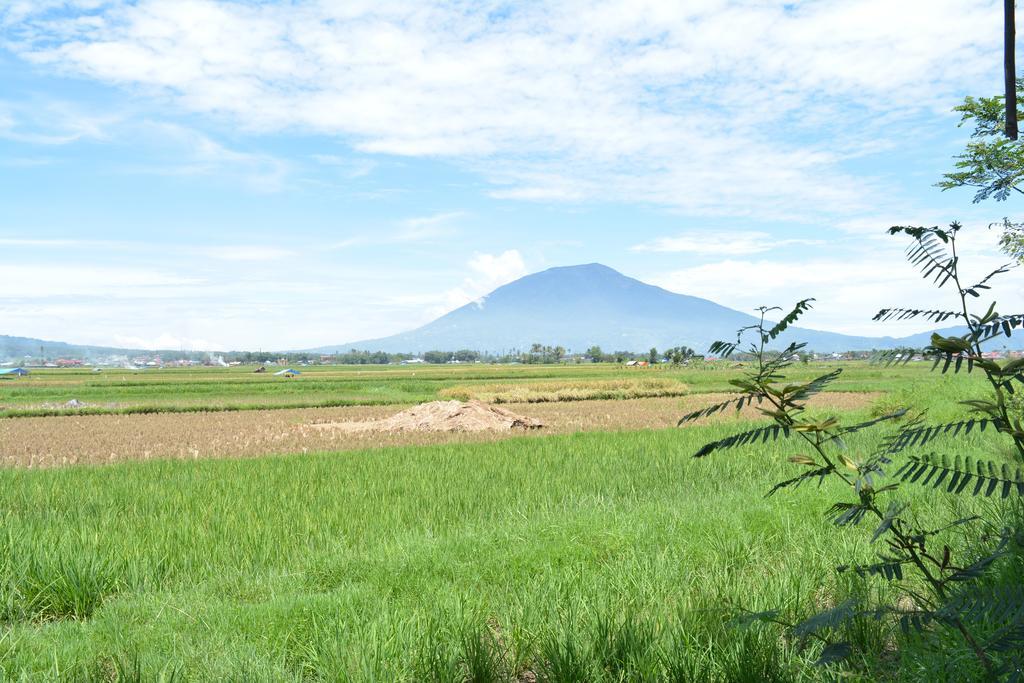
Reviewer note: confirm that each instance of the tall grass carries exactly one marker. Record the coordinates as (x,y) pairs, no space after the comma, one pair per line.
(591,557)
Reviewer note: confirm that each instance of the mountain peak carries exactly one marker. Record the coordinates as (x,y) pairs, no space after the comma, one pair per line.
(586,304)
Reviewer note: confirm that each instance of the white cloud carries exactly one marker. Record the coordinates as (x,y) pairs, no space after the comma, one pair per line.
(24,281)
(714,107)
(52,123)
(426,227)
(166,341)
(246,253)
(497,269)
(724,242)
(45,243)
(848,291)
(409,230)
(487,273)
(349,167)
(195,153)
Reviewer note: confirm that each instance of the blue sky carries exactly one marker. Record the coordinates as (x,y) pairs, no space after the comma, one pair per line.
(203,174)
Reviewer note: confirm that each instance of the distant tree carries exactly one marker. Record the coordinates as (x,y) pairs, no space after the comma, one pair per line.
(595,354)
(652,356)
(680,354)
(438,356)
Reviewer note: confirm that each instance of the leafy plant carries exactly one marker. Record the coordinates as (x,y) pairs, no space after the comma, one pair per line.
(934,587)
(992,163)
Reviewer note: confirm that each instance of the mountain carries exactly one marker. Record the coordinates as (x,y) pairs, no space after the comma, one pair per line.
(20,347)
(579,306)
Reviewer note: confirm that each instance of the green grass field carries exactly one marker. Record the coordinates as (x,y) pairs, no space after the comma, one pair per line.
(587,557)
(45,391)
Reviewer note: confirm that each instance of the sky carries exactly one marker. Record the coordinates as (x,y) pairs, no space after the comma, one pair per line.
(203,174)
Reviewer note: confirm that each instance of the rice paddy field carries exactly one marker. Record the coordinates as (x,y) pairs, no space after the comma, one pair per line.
(189,525)
(46,392)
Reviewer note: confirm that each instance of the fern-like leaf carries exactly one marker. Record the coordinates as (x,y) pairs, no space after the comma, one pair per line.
(830,618)
(799,309)
(835,652)
(816,385)
(762,434)
(983,283)
(818,473)
(851,429)
(890,569)
(1002,325)
(719,407)
(723,348)
(957,473)
(920,436)
(844,514)
(928,254)
(998,604)
(897,356)
(976,569)
(887,314)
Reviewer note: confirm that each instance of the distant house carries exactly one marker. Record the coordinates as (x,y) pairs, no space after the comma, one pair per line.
(11,373)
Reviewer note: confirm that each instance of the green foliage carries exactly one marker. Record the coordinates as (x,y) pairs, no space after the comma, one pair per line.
(678,355)
(991,163)
(915,563)
(1012,240)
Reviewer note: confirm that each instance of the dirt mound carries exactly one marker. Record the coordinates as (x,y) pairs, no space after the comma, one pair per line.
(440,416)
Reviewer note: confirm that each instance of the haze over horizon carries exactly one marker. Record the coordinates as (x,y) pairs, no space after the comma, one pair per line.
(211,175)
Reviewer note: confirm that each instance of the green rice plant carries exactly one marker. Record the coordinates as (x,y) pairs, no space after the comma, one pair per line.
(565,658)
(66,588)
(482,657)
(47,585)
(622,644)
(437,660)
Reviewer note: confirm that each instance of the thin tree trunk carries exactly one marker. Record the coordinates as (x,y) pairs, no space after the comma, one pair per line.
(1009,67)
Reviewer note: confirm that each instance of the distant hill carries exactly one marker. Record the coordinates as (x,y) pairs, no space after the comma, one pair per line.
(579,306)
(15,348)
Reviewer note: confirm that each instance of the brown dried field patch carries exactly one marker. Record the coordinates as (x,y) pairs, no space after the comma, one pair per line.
(553,391)
(438,416)
(56,441)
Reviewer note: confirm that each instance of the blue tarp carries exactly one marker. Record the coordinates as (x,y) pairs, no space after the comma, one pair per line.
(21,372)
(289,371)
